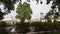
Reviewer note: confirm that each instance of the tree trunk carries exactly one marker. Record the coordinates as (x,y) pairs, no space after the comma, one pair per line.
(22,20)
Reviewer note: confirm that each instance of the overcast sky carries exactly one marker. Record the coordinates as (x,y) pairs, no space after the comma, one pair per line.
(36,8)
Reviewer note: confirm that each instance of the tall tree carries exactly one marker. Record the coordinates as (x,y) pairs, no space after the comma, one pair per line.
(8,4)
(24,11)
(3,25)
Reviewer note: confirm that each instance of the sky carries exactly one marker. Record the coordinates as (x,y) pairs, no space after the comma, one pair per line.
(36,9)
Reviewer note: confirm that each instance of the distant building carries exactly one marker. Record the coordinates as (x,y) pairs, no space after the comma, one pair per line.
(11,21)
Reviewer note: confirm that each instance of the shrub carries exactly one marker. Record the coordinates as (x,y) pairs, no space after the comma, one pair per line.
(37,26)
(3,26)
(23,27)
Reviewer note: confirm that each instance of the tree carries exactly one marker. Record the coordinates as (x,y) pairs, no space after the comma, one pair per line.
(24,11)
(52,15)
(54,3)
(1,15)
(8,4)
(3,25)
(48,17)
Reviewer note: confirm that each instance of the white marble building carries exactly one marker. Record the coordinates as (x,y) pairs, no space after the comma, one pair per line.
(11,21)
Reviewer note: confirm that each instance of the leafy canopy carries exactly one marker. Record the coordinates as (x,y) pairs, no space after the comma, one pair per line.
(24,11)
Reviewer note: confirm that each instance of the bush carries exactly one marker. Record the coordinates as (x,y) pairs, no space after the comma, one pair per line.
(3,27)
(57,25)
(23,27)
(37,26)
(46,26)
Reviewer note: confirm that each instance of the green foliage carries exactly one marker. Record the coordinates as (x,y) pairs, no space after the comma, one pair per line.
(24,11)
(37,26)
(1,15)
(57,25)
(48,1)
(54,10)
(9,4)
(46,26)
(3,27)
(23,27)
(3,24)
